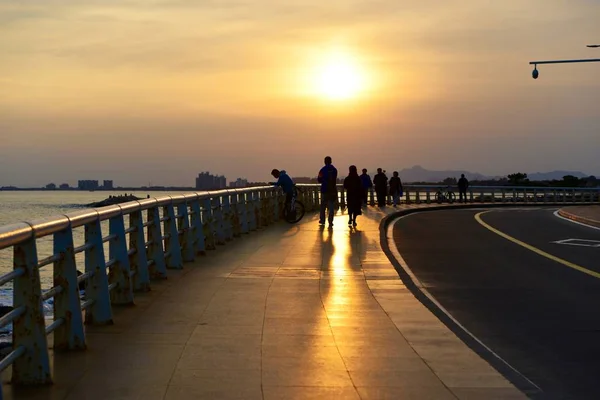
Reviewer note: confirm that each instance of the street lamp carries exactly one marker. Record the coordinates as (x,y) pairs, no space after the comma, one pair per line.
(536,73)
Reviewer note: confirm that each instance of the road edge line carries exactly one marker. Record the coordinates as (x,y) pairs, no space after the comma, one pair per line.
(519,380)
(567,216)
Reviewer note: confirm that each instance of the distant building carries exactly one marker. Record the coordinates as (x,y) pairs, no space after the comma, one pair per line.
(107,185)
(64,186)
(87,185)
(51,186)
(239,183)
(207,181)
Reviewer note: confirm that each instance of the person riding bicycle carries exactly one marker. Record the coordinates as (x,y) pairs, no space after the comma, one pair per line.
(286,184)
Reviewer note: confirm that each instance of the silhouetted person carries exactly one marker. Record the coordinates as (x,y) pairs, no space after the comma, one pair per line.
(354,194)
(380,181)
(367,184)
(396,188)
(328,180)
(463,185)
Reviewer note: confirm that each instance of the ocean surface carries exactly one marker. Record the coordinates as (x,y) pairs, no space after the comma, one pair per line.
(17,206)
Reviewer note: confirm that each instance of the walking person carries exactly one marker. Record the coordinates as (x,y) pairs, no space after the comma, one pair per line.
(328,180)
(463,185)
(380,181)
(354,194)
(367,184)
(396,189)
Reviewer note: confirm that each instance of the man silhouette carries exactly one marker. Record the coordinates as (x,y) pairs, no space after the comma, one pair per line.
(463,185)
(328,180)
(380,181)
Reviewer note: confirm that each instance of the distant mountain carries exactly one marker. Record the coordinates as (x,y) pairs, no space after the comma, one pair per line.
(420,174)
(558,175)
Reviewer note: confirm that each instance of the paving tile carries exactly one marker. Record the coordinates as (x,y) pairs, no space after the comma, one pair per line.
(223,392)
(300,376)
(310,393)
(405,393)
(488,394)
(216,378)
(125,392)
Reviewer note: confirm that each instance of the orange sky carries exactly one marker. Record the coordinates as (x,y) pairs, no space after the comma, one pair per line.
(140,91)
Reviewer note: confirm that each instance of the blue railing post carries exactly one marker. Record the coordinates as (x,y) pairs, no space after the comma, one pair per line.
(29,331)
(172,246)
(197,228)
(157,266)
(235,216)
(138,260)
(119,271)
(243,212)
(96,288)
(218,220)
(187,240)
(227,218)
(209,224)
(276,205)
(70,335)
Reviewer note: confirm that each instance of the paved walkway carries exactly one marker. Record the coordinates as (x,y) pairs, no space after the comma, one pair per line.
(291,312)
(589,215)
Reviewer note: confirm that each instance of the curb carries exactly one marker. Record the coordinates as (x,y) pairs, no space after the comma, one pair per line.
(578,218)
(512,375)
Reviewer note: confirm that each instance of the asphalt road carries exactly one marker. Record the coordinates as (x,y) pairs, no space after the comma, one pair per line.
(539,315)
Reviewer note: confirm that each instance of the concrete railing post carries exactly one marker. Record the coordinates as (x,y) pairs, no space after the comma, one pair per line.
(96,288)
(138,261)
(342,198)
(158,267)
(118,272)
(427,196)
(197,228)
(29,331)
(172,246)
(70,335)
(186,238)
(503,195)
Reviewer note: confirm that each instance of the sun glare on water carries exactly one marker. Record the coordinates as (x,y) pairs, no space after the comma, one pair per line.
(339,77)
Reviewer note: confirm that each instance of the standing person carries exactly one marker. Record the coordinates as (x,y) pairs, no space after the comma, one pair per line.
(463,185)
(366,184)
(328,180)
(380,181)
(355,191)
(396,189)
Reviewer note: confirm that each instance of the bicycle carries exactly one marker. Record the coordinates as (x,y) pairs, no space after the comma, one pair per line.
(445,196)
(294,211)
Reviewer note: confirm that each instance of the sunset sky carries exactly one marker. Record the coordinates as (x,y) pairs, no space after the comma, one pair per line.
(156,91)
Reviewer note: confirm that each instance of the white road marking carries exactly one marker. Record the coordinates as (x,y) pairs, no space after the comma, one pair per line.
(579,242)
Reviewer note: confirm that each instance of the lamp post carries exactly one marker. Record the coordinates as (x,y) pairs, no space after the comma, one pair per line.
(536,73)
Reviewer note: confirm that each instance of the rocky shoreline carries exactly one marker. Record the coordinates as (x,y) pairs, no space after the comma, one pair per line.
(112,200)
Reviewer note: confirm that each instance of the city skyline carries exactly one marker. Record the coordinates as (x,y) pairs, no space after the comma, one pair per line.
(150,91)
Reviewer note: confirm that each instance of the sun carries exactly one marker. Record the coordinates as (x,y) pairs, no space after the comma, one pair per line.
(339,77)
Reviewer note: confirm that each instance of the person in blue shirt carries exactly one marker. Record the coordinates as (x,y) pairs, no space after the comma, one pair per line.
(285,182)
(328,180)
(366,184)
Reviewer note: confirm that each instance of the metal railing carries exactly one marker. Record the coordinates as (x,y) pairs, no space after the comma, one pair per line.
(427,194)
(145,238)
(158,234)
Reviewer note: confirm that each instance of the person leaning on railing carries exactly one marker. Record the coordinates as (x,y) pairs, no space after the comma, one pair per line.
(285,183)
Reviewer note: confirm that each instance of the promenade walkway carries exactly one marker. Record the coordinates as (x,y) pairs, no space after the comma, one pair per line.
(289,312)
